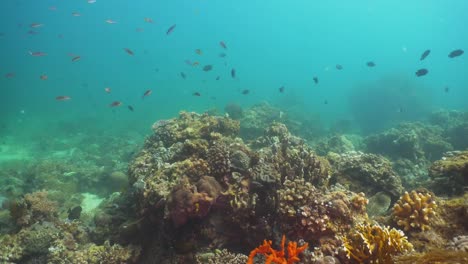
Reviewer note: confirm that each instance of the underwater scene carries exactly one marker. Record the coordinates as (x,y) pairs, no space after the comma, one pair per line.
(233,132)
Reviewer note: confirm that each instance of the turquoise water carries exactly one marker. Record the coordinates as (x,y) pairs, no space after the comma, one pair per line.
(270,45)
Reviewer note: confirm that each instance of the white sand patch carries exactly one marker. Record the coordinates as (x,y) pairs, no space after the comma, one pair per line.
(90,202)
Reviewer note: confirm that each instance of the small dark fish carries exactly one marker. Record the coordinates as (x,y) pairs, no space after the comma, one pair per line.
(62,98)
(183,75)
(245,92)
(339,67)
(217,78)
(222,55)
(370,64)
(37,53)
(446,89)
(223,45)
(208,67)
(196,94)
(32,32)
(456,53)
(10,75)
(400,110)
(115,104)
(316,80)
(281,89)
(130,108)
(233,73)
(170,29)
(76,58)
(75,213)
(325,102)
(425,54)
(129,51)
(147,93)
(421,72)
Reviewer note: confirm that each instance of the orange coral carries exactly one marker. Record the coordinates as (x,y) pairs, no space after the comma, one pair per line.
(278,256)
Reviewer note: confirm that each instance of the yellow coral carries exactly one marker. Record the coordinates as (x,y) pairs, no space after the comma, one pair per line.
(375,244)
(414,211)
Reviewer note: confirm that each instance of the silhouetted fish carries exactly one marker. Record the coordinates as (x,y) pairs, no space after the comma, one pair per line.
(316,80)
(208,67)
(222,55)
(421,72)
(325,102)
(233,73)
(245,92)
(130,108)
(446,89)
(223,45)
(183,75)
(456,53)
(147,93)
(196,94)
(217,78)
(425,54)
(75,213)
(170,29)
(281,89)
(339,67)
(370,64)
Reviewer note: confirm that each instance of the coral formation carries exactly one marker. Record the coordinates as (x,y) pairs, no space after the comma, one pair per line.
(413,211)
(34,207)
(368,173)
(375,244)
(278,256)
(459,243)
(221,257)
(435,255)
(450,174)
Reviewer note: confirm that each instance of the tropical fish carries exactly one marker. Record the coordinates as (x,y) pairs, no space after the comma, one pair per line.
(36,25)
(183,75)
(115,104)
(281,89)
(148,20)
(233,73)
(37,53)
(196,94)
(446,89)
(245,92)
(62,98)
(76,14)
(170,29)
(425,54)
(107,90)
(217,78)
(339,67)
(199,51)
(75,213)
(223,45)
(208,67)
(188,62)
(325,102)
(222,55)
(110,21)
(129,51)
(130,108)
(76,58)
(44,77)
(195,63)
(147,93)
(32,32)
(370,64)
(10,75)
(316,80)
(421,72)
(456,53)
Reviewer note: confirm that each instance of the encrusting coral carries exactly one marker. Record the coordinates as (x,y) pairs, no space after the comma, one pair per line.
(414,211)
(278,256)
(375,244)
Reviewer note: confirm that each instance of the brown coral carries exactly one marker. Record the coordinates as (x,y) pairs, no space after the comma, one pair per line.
(414,210)
(375,244)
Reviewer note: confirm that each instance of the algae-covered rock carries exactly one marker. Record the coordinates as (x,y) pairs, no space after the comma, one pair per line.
(450,174)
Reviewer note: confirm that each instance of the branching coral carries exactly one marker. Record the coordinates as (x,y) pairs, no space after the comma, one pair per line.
(414,211)
(375,244)
(278,256)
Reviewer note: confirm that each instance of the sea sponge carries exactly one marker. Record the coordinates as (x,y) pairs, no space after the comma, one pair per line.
(414,211)
(375,244)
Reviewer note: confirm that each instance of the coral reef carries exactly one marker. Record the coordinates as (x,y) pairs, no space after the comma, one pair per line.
(221,257)
(459,243)
(455,125)
(234,111)
(278,256)
(450,174)
(435,255)
(336,144)
(414,210)
(368,173)
(375,244)
(34,207)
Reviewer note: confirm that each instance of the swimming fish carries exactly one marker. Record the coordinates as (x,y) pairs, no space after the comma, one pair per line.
(183,75)
(170,29)
(370,64)
(36,25)
(37,53)
(456,53)
(76,14)
(223,45)
(129,51)
(130,108)
(425,54)
(10,75)
(199,51)
(110,21)
(148,20)
(115,104)
(233,73)
(446,89)
(245,92)
(339,67)
(325,102)
(208,67)
(222,55)
(44,77)
(316,80)
(62,98)
(281,89)
(107,90)
(147,93)
(75,213)
(217,78)
(421,72)
(76,58)
(196,94)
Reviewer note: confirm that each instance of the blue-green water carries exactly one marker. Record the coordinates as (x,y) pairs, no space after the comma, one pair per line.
(270,44)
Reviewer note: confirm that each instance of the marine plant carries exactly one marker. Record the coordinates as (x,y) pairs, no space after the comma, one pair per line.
(375,244)
(413,211)
(278,256)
